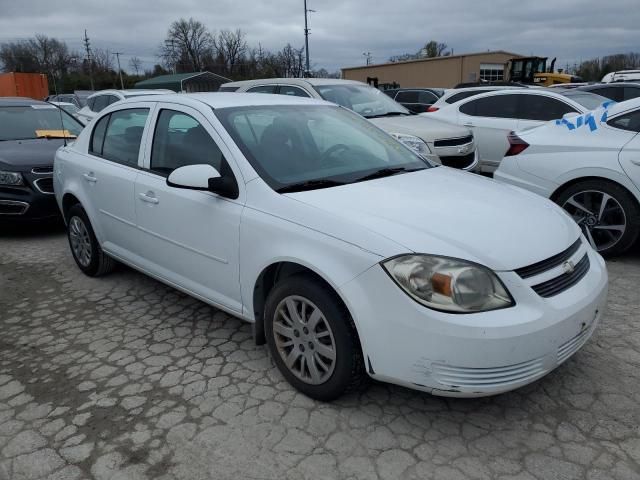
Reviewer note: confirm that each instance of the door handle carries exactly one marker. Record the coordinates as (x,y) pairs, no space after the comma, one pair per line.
(468,124)
(635,161)
(145,197)
(89,177)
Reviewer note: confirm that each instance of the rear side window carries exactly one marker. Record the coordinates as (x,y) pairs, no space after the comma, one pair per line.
(629,121)
(100,102)
(227,89)
(631,92)
(180,140)
(263,89)
(499,106)
(122,137)
(609,92)
(427,97)
(538,107)
(90,104)
(462,95)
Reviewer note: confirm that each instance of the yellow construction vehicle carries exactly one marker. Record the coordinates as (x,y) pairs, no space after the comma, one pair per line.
(533,71)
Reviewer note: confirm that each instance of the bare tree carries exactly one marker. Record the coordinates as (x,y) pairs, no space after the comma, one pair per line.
(102,60)
(435,49)
(231,48)
(135,63)
(186,45)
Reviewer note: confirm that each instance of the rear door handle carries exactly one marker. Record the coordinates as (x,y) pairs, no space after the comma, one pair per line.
(468,124)
(145,197)
(89,177)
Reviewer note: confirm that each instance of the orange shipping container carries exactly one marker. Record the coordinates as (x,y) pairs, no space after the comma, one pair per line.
(33,85)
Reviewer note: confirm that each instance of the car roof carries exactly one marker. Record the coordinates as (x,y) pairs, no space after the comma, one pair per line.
(609,85)
(230,99)
(131,91)
(625,106)
(294,81)
(492,88)
(19,102)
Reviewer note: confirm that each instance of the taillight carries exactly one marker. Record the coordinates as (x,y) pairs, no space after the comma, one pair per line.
(516,145)
(432,109)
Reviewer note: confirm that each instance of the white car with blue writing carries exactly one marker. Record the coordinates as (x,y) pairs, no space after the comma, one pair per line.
(590,165)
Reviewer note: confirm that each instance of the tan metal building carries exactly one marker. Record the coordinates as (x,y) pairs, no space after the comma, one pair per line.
(445,72)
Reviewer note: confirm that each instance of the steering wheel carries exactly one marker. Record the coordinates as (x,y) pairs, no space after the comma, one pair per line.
(331,150)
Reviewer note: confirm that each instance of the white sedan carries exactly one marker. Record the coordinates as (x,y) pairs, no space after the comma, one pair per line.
(493,115)
(590,165)
(351,255)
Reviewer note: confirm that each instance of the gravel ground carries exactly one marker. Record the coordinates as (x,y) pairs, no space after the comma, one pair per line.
(122,377)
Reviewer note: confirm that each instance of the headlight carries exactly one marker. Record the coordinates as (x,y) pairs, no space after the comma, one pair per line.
(448,284)
(10,178)
(414,143)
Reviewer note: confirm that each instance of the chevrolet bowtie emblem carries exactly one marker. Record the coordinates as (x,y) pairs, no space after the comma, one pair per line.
(568,266)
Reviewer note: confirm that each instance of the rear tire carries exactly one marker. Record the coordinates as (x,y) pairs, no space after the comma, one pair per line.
(312,338)
(613,227)
(84,245)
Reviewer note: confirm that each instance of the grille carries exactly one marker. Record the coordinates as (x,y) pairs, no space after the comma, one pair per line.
(549,263)
(572,346)
(563,282)
(453,142)
(45,185)
(461,161)
(487,377)
(42,170)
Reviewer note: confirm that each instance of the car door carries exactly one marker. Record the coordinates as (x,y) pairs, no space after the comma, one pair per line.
(630,153)
(491,119)
(109,173)
(191,238)
(534,110)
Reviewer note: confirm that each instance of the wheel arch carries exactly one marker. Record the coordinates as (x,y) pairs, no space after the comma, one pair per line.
(621,182)
(68,201)
(269,277)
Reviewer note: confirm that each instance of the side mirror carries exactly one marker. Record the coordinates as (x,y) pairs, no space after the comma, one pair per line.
(204,177)
(193,177)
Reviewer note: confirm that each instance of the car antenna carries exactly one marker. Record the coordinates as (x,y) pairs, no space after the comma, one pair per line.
(55,91)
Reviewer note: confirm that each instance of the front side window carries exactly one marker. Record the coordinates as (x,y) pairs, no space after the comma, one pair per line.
(629,121)
(293,91)
(37,121)
(180,140)
(297,145)
(263,89)
(539,107)
(497,106)
(631,92)
(117,136)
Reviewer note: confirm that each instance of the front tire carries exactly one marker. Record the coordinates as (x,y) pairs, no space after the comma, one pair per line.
(84,245)
(608,214)
(313,339)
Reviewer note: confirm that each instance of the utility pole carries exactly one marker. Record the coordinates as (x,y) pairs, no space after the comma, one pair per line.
(367,55)
(117,54)
(306,37)
(87,47)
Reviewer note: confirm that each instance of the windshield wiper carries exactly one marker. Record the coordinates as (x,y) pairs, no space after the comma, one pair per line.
(388,114)
(387,172)
(309,185)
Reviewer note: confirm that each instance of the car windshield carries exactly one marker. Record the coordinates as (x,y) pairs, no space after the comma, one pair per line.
(367,101)
(588,100)
(70,108)
(37,121)
(304,147)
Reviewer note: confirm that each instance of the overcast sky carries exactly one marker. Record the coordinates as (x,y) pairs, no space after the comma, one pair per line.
(342,30)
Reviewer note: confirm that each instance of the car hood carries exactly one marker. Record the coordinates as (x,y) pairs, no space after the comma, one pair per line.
(428,129)
(19,154)
(447,212)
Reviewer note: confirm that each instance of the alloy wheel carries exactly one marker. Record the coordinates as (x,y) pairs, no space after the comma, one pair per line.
(80,241)
(304,340)
(599,215)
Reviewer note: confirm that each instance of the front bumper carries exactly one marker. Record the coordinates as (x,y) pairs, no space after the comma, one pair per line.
(31,202)
(473,355)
